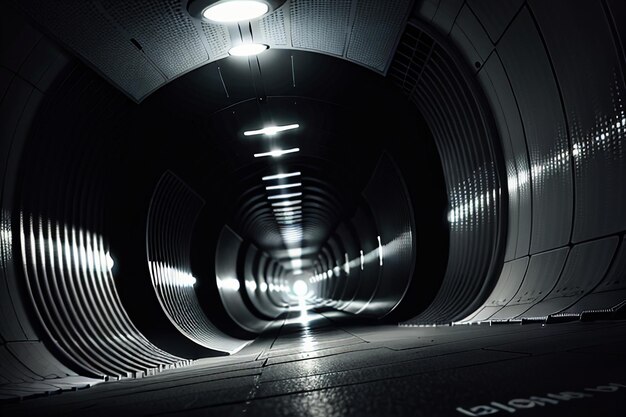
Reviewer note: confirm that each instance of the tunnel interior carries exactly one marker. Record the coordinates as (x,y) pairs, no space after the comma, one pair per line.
(380,174)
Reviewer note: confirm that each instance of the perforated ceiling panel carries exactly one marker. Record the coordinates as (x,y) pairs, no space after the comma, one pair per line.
(218,40)
(320,24)
(273,28)
(163,29)
(375,31)
(140,46)
(84,28)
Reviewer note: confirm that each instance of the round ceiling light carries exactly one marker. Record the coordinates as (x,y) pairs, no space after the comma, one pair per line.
(248,49)
(235,11)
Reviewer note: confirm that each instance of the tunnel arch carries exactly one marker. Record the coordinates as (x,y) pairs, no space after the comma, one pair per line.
(521,149)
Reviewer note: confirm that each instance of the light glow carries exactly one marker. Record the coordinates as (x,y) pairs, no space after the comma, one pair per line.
(283,186)
(281,176)
(248,49)
(276,153)
(281,196)
(295,252)
(300,288)
(286,203)
(296,263)
(235,11)
(110,262)
(288,209)
(270,130)
(288,213)
(231,284)
(380,252)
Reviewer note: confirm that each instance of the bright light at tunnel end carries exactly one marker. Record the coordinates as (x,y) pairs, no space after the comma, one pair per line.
(300,288)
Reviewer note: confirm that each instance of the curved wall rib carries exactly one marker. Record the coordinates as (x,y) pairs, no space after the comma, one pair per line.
(173,211)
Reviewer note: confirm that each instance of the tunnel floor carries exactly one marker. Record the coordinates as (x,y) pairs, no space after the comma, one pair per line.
(319,365)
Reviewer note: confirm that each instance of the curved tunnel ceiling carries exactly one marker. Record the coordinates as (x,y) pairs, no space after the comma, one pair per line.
(458,162)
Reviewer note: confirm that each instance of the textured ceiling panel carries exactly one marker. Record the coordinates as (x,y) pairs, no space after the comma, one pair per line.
(218,40)
(375,31)
(273,28)
(83,27)
(164,30)
(320,25)
(140,46)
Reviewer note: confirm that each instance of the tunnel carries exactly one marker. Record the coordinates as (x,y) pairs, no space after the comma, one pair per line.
(313,207)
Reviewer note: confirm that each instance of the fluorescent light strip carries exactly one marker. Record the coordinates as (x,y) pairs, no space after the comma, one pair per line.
(288,213)
(283,186)
(281,196)
(287,209)
(276,153)
(271,130)
(286,203)
(299,216)
(281,176)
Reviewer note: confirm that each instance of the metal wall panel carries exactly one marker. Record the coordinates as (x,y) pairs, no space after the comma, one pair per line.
(586,265)
(610,292)
(592,83)
(496,85)
(495,15)
(535,89)
(474,42)
(510,280)
(541,276)
(390,203)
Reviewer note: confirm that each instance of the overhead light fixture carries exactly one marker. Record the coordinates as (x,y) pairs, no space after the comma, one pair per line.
(280,176)
(276,153)
(235,11)
(271,130)
(248,49)
(281,196)
(287,209)
(296,263)
(288,214)
(288,222)
(283,186)
(286,203)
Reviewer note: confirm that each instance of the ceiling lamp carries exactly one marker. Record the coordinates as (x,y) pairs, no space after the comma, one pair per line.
(231,11)
(276,153)
(248,49)
(235,11)
(279,176)
(283,186)
(271,130)
(282,196)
